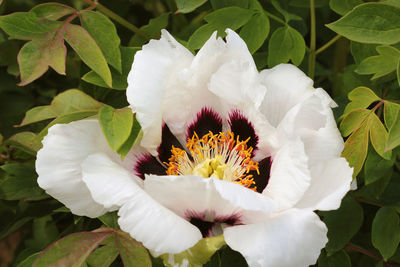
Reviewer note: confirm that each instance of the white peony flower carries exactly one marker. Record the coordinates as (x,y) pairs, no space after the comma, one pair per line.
(225,150)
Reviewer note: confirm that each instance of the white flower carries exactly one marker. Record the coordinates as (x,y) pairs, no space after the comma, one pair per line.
(226,150)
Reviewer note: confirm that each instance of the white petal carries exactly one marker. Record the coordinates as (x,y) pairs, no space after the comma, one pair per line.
(286,86)
(330,182)
(158,228)
(59,164)
(154,70)
(109,183)
(289,177)
(290,239)
(183,194)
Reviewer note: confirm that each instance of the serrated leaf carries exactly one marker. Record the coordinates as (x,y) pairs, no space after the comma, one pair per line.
(67,102)
(26,25)
(356,148)
(255,31)
(382,64)
(390,112)
(71,250)
(379,136)
(119,81)
(340,258)
(25,141)
(386,231)
(186,6)
(196,256)
(286,44)
(342,224)
(361,97)
(105,34)
(394,134)
(373,23)
(229,17)
(52,11)
(131,252)
(375,167)
(36,56)
(116,125)
(343,6)
(353,120)
(20,182)
(88,50)
(152,29)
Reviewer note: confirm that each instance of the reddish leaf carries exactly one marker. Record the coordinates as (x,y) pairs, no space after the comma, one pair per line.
(52,11)
(132,252)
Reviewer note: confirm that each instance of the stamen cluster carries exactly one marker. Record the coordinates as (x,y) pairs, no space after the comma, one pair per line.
(215,155)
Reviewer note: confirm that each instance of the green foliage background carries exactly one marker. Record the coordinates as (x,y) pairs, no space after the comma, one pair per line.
(351,48)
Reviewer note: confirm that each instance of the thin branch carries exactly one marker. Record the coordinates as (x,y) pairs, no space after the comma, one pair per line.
(328,44)
(361,250)
(272,16)
(311,58)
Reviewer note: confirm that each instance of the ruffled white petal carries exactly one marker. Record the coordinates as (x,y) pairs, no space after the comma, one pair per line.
(293,238)
(155,69)
(331,181)
(109,183)
(158,228)
(187,194)
(286,86)
(58,164)
(289,176)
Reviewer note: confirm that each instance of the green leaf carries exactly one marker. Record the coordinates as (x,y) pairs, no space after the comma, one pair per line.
(375,167)
(200,36)
(217,4)
(286,44)
(229,17)
(52,11)
(26,25)
(67,102)
(110,219)
(28,262)
(119,81)
(116,125)
(105,34)
(26,141)
(255,31)
(186,6)
(386,231)
(343,6)
(382,64)
(71,250)
(152,29)
(342,224)
(131,252)
(390,112)
(288,16)
(361,97)
(394,134)
(398,72)
(373,23)
(135,135)
(197,255)
(362,51)
(88,50)
(36,56)
(340,258)
(379,136)
(353,120)
(103,256)
(356,148)
(20,182)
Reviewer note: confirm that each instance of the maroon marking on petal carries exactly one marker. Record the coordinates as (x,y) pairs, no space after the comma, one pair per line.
(147,164)
(207,120)
(168,140)
(231,220)
(204,226)
(262,179)
(243,128)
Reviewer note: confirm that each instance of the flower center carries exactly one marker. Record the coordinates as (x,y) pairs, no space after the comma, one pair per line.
(215,155)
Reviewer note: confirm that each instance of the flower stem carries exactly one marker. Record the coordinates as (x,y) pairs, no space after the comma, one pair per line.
(311,58)
(272,16)
(367,201)
(361,250)
(117,18)
(328,44)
